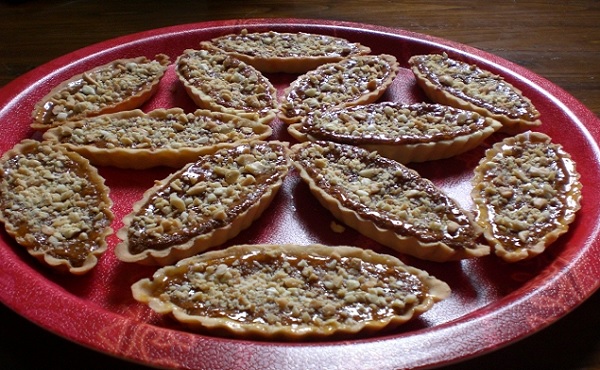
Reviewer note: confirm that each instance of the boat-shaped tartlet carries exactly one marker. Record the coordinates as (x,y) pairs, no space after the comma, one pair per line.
(467,86)
(291,292)
(220,82)
(120,85)
(527,193)
(163,137)
(404,132)
(204,204)
(388,202)
(55,204)
(352,81)
(299,52)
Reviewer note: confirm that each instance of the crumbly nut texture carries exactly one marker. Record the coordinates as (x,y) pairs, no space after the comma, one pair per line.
(204,204)
(117,86)
(169,137)
(463,85)
(221,82)
(297,52)
(291,291)
(527,192)
(404,132)
(55,205)
(388,202)
(352,81)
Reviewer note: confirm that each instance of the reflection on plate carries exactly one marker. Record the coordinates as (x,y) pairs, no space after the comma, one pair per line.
(493,303)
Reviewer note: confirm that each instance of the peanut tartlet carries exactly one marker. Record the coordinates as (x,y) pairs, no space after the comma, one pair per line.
(291,291)
(220,82)
(352,81)
(527,192)
(388,202)
(163,137)
(467,86)
(273,52)
(120,85)
(55,204)
(403,132)
(204,204)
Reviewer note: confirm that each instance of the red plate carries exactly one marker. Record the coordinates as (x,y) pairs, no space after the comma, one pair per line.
(493,303)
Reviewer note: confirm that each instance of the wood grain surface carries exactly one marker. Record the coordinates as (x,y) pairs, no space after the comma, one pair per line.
(558,40)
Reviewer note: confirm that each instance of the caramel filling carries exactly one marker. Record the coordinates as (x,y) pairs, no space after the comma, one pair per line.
(173,131)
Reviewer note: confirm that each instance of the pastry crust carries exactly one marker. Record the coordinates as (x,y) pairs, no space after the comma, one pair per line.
(275,52)
(223,83)
(291,292)
(403,132)
(163,137)
(204,204)
(120,85)
(527,192)
(387,202)
(467,86)
(352,81)
(55,204)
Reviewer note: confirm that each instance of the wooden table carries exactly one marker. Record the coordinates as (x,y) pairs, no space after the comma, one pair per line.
(559,41)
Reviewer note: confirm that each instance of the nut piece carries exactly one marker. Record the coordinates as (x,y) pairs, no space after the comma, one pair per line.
(55,205)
